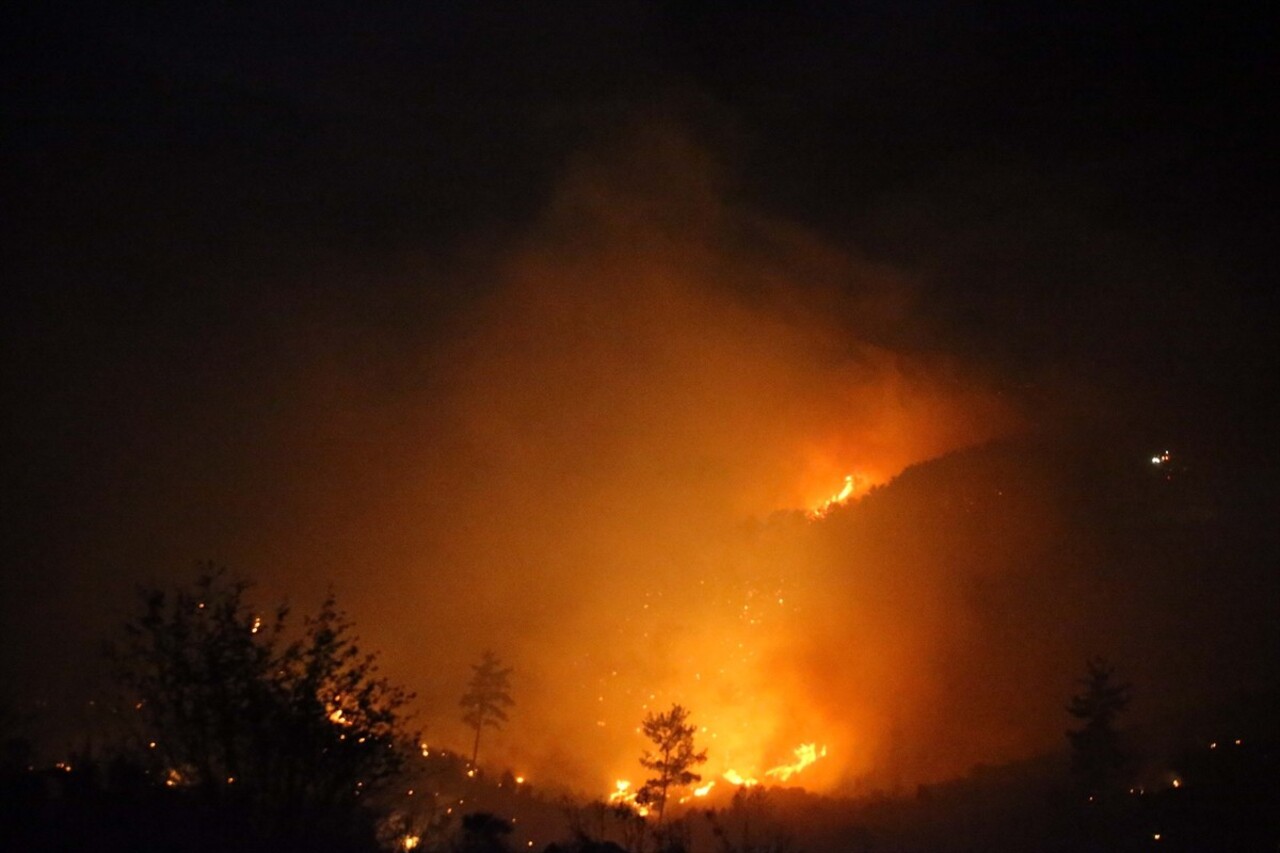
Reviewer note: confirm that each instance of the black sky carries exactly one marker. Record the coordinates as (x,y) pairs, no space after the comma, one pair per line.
(1037,162)
(205,200)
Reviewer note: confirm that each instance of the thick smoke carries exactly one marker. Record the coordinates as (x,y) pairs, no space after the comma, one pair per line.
(654,378)
(589,449)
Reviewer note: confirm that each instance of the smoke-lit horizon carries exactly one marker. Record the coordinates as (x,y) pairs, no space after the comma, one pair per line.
(518,350)
(562,472)
(654,369)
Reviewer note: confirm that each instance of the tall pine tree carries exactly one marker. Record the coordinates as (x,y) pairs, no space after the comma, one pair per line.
(1097,759)
(487,698)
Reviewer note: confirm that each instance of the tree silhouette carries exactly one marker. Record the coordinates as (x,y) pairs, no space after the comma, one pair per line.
(671,760)
(749,825)
(1096,755)
(484,832)
(487,697)
(296,732)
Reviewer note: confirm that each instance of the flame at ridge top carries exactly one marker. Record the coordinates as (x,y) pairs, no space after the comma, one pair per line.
(806,754)
(854,484)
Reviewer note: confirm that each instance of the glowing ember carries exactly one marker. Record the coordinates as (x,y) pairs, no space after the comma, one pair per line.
(335,712)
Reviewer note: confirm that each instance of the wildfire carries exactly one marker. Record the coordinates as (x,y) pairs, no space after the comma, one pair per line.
(733,777)
(851,483)
(624,796)
(806,754)
(700,791)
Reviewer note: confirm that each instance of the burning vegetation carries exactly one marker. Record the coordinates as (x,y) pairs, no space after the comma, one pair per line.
(680,462)
(247,736)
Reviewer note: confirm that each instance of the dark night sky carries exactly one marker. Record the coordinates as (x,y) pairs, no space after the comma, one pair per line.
(206,200)
(1044,167)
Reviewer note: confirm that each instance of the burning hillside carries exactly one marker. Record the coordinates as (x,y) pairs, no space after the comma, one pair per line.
(655,372)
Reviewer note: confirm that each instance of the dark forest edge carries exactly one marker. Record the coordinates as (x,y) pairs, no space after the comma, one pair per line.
(235,729)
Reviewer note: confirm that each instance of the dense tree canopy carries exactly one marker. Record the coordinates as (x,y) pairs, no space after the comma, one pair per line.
(293,727)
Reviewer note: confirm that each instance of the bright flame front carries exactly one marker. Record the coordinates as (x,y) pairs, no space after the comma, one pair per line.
(623,795)
(806,754)
(852,484)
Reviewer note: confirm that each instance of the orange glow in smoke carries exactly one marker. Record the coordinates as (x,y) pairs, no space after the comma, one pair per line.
(634,428)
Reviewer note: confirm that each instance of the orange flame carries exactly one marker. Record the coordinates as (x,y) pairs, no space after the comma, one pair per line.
(806,754)
(851,484)
(624,796)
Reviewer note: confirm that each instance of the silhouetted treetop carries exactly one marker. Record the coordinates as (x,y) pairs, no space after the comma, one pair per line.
(232,706)
(1096,755)
(487,697)
(672,758)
